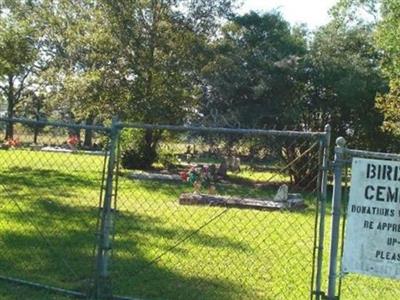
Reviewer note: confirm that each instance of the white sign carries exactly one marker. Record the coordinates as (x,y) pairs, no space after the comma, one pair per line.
(372,238)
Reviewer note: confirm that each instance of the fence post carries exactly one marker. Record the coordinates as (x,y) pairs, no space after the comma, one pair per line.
(321,233)
(104,247)
(336,213)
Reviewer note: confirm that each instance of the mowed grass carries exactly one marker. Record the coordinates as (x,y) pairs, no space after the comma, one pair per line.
(162,250)
(11,291)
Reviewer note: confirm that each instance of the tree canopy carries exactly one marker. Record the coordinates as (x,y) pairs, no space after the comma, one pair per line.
(388,40)
(253,79)
(184,61)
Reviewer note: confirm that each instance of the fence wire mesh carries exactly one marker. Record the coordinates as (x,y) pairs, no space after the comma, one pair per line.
(196,214)
(50,188)
(354,286)
(201,223)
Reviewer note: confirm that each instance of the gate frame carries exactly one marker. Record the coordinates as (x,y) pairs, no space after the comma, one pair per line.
(102,288)
(102,284)
(324,138)
(343,157)
(320,236)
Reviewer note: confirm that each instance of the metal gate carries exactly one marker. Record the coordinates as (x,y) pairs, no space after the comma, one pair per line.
(342,285)
(172,244)
(221,214)
(50,194)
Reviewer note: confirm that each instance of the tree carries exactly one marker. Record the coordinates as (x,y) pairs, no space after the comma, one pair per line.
(80,79)
(34,107)
(355,12)
(344,79)
(388,40)
(256,79)
(162,49)
(252,81)
(18,55)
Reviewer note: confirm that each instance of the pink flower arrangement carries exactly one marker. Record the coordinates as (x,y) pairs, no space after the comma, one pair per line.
(12,143)
(73,140)
(199,176)
(184,175)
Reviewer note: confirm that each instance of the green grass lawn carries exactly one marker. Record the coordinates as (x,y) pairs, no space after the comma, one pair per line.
(162,250)
(10,291)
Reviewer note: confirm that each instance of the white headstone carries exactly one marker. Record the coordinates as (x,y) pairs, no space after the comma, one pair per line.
(282,194)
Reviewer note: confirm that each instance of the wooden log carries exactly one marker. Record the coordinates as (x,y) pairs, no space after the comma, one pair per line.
(293,203)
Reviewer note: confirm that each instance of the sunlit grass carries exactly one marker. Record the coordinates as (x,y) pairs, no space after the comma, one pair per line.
(261,176)
(162,250)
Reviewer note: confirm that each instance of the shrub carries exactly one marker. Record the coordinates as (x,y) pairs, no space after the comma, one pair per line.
(138,151)
(138,157)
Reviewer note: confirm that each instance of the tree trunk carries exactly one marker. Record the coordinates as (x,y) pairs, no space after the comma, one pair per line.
(88,140)
(10,109)
(9,127)
(150,145)
(36,130)
(35,134)
(303,171)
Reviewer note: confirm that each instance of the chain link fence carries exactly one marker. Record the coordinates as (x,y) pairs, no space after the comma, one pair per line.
(161,212)
(49,204)
(203,223)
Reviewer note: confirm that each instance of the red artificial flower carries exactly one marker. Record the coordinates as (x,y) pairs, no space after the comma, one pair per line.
(183,175)
(73,140)
(12,142)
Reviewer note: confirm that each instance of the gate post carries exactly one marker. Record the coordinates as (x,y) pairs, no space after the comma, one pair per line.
(104,247)
(323,191)
(336,213)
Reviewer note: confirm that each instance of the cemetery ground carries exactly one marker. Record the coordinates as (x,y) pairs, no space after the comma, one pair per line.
(162,250)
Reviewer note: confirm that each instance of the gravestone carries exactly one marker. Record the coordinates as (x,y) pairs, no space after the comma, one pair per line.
(233,163)
(222,170)
(282,194)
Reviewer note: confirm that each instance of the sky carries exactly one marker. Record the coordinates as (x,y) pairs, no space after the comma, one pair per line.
(312,12)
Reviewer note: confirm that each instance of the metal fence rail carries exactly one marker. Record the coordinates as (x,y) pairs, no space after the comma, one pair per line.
(201,219)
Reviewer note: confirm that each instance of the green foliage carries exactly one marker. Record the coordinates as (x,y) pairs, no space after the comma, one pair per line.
(81,77)
(158,55)
(388,40)
(167,159)
(263,74)
(386,30)
(344,81)
(20,58)
(138,60)
(184,61)
(139,149)
(253,78)
(388,37)
(138,158)
(355,12)
(16,47)
(389,104)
